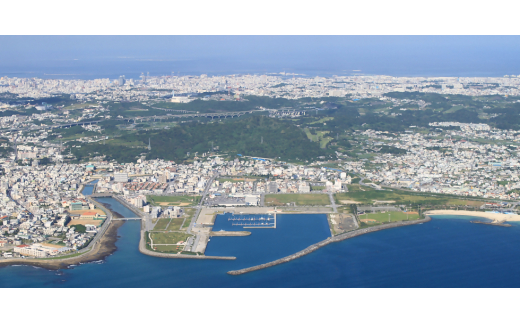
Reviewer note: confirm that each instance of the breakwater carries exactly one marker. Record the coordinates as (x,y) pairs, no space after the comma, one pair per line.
(325,242)
(229,233)
(500,224)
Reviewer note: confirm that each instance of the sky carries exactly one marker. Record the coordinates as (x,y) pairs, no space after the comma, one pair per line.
(108,56)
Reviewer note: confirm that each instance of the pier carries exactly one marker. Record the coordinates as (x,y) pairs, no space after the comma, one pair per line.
(253,222)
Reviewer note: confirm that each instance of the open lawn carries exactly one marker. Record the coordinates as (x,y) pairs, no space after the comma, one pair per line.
(357,187)
(322,120)
(190,212)
(171,249)
(161,224)
(465,202)
(187,223)
(320,137)
(183,200)
(169,237)
(369,196)
(299,199)
(175,224)
(391,216)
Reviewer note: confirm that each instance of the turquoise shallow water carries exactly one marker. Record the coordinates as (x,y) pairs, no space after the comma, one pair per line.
(442,253)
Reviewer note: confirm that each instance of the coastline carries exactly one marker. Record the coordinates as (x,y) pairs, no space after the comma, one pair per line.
(325,242)
(487,215)
(143,250)
(103,248)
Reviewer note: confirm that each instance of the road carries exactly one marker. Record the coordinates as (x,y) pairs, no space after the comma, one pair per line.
(199,207)
(333,203)
(197,212)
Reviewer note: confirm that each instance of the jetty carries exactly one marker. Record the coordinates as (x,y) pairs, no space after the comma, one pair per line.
(496,223)
(325,242)
(223,233)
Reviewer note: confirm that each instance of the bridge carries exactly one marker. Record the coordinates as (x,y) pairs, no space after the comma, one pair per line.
(218,115)
(127,219)
(101,195)
(62,125)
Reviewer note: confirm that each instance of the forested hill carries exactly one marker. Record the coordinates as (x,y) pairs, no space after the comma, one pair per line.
(280,139)
(243,136)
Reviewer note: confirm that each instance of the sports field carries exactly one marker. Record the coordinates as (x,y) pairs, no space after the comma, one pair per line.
(299,199)
(182,200)
(97,223)
(98,211)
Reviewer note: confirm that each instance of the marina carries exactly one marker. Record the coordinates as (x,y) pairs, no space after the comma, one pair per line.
(253,221)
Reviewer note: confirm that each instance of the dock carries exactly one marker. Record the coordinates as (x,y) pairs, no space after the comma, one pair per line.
(251,221)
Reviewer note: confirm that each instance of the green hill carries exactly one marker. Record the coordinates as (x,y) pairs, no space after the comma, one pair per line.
(243,136)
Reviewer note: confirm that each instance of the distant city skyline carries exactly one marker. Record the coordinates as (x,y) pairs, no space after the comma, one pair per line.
(89,57)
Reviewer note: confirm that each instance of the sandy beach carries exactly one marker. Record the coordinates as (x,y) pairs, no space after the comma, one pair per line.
(487,215)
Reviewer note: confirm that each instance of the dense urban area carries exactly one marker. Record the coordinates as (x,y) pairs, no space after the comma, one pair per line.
(177,150)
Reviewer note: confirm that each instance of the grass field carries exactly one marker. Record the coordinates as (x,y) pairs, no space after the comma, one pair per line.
(319,136)
(187,223)
(189,212)
(169,237)
(394,216)
(161,224)
(299,199)
(172,248)
(368,195)
(183,200)
(464,202)
(175,224)
(357,187)
(322,120)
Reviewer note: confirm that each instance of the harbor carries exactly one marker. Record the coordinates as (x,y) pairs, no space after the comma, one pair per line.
(253,221)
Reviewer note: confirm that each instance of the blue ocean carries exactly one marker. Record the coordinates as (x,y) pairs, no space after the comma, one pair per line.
(445,252)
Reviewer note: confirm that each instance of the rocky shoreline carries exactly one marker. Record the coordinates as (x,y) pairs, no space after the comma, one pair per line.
(325,242)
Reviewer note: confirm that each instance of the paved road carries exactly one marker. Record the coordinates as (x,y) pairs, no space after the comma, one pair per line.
(333,203)
(199,207)
(194,245)
(262,199)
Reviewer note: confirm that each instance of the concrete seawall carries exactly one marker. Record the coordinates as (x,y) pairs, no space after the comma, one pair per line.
(325,242)
(143,250)
(229,233)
